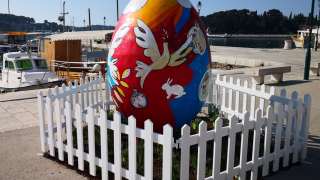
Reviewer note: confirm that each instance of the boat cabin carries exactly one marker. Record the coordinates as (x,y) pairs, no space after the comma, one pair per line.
(16,63)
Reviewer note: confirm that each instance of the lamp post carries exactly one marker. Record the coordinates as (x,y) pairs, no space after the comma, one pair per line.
(117,11)
(199,7)
(308,56)
(317,37)
(104,22)
(84,23)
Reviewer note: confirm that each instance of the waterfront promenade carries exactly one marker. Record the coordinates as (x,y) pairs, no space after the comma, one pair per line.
(20,141)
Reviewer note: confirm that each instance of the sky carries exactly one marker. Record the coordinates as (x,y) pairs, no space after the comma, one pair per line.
(49,10)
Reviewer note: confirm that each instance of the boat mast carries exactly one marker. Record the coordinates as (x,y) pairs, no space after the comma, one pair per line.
(64,20)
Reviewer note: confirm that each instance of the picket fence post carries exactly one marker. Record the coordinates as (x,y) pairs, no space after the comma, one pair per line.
(82,95)
(223,104)
(79,121)
(104,144)
(218,90)
(231,146)
(132,148)
(297,131)
(50,122)
(202,150)
(117,145)
(230,98)
(87,92)
(59,129)
(91,138)
(185,152)
(91,92)
(217,149)
(280,116)
(167,152)
(237,96)
(100,85)
(71,95)
(245,98)
(259,121)
(41,121)
(267,141)
(148,149)
(253,101)
(76,94)
(287,140)
(69,134)
(244,144)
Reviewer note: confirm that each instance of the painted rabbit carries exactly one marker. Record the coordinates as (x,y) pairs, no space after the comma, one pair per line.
(173,90)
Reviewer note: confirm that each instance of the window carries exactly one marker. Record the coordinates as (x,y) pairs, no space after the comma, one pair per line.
(9,65)
(25,64)
(42,45)
(40,63)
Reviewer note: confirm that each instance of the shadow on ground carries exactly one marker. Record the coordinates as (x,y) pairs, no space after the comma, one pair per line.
(287,83)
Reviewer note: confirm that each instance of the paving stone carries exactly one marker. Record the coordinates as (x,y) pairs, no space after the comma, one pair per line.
(5,114)
(26,117)
(7,105)
(9,123)
(15,110)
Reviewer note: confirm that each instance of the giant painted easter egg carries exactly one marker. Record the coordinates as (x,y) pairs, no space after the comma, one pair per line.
(159,63)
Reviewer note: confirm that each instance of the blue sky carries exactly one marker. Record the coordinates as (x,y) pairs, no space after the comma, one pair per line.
(49,10)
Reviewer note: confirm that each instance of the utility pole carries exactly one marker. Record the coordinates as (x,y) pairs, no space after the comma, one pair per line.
(72,23)
(89,20)
(117,11)
(90,28)
(64,19)
(308,56)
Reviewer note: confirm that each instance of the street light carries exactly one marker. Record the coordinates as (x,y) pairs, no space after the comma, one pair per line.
(308,55)
(104,23)
(84,23)
(199,7)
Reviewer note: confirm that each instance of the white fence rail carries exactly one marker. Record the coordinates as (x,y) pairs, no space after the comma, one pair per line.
(289,125)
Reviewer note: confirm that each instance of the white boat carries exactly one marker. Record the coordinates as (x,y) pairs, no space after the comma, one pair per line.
(26,71)
(225,35)
(298,40)
(217,35)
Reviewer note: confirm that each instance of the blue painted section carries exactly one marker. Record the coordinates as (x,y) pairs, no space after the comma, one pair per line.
(185,15)
(109,76)
(188,106)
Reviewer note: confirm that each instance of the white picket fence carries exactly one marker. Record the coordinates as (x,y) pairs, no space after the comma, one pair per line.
(294,112)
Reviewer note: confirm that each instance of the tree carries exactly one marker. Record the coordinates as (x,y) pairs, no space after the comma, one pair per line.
(45,22)
(290,17)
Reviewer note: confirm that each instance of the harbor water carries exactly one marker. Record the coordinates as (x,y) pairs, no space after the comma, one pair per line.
(250,42)
(242,42)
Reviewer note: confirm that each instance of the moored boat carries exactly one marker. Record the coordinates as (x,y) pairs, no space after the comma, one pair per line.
(225,35)
(301,34)
(26,71)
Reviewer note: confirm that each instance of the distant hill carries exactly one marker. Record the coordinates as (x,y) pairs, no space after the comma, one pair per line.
(22,23)
(250,22)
